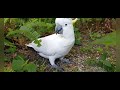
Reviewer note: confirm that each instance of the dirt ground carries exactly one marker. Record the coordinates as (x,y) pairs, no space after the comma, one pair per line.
(75,56)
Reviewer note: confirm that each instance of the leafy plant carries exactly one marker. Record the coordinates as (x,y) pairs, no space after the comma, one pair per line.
(86,49)
(84,20)
(94,36)
(12,47)
(30,34)
(31,67)
(77,37)
(21,65)
(108,40)
(32,30)
(6,20)
(102,62)
(17,64)
(8,43)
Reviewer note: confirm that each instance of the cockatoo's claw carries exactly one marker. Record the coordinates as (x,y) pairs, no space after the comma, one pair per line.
(58,68)
(67,61)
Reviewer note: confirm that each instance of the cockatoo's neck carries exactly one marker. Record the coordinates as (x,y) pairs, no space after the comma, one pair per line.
(68,32)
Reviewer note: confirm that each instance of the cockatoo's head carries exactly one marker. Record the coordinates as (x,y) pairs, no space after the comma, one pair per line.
(63,23)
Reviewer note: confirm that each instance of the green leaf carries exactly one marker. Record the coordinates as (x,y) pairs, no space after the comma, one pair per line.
(6,20)
(91,62)
(99,49)
(12,33)
(11,50)
(77,36)
(77,41)
(104,56)
(30,34)
(6,59)
(17,63)
(31,67)
(106,63)
(24,28)
(108,40)
(8,43)
(37,42)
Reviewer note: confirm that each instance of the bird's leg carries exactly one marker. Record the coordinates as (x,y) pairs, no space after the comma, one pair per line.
(58,68)
(52,62)
(66,60)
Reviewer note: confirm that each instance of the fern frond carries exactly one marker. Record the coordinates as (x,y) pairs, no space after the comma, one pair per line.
(8,43)
(31,35)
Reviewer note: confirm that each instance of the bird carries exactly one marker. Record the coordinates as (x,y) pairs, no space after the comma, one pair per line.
(59,44)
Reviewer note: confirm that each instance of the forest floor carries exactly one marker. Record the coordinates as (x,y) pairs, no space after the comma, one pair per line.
(77,55)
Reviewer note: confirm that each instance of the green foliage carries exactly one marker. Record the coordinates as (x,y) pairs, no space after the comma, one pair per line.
(31,29)
(99,49)
(30,34)
(12,47)
(77,37)
(21,65)
(14,23)
(18,63)
(108,40)
(86,49)
(87,20)
(103,57)
(31,67)
(95,36)
(8,43)
(8,69)
(48,20)
(91,62)
(37,42)
(84,20)
(41,27)
(11,50)
(6,20)
(102,62)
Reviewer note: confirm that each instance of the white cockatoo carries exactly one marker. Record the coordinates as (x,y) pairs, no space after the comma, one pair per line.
(58,45)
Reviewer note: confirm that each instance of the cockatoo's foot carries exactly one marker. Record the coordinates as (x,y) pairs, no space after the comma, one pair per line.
(58,68)
(52,62)
(66,60)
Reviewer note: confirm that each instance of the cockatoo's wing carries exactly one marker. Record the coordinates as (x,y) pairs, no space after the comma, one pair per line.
(49,45)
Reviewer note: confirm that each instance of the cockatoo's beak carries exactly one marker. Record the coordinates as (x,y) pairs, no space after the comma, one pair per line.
(58,29)
(74,21)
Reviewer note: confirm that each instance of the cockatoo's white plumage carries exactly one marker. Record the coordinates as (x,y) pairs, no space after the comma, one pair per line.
(57,45)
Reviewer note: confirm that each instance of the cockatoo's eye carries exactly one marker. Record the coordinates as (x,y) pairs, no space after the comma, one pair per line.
(65,24)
